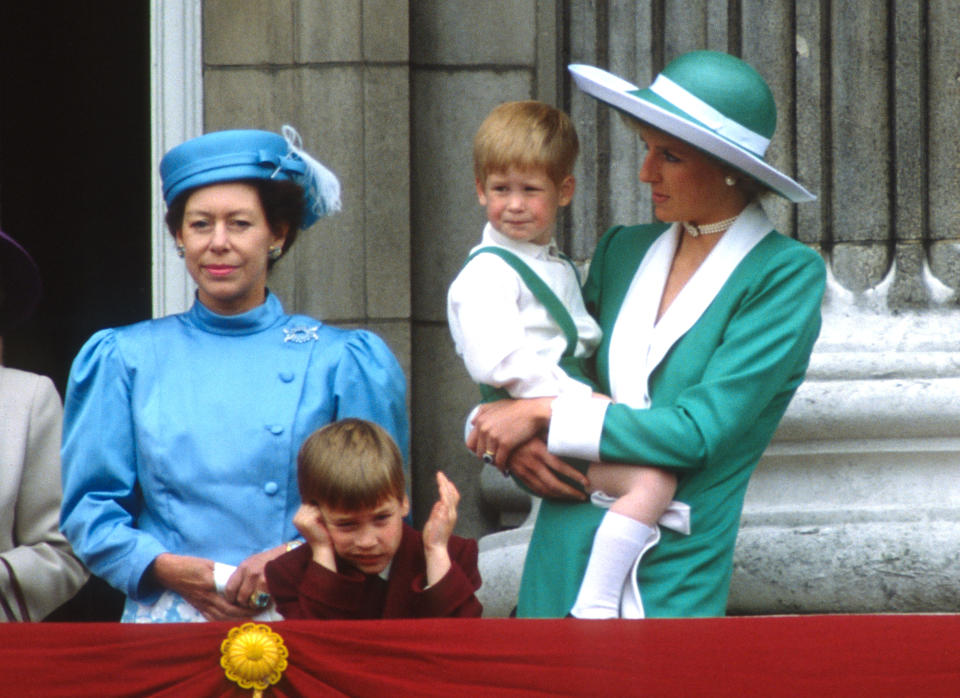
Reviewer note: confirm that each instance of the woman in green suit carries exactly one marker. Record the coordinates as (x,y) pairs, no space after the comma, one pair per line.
(709,319)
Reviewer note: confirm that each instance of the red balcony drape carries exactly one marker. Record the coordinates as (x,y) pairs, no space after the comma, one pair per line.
(871,655)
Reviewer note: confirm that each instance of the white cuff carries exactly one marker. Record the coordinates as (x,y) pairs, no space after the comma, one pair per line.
(221,574)
(468,425)
(576,426)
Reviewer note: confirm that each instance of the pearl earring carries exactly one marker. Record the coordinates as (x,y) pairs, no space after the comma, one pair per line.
(730,180)
(181,250)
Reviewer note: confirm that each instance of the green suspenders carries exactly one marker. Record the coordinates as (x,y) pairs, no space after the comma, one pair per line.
(545,295)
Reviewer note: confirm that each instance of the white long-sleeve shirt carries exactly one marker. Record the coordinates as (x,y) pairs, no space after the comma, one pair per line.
(505,335)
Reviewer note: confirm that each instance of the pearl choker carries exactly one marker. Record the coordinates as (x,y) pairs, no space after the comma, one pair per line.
(709,228)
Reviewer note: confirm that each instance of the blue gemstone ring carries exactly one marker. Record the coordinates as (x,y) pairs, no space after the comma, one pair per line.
(259,599)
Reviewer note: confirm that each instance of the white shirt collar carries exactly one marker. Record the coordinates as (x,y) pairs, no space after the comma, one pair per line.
(493,236)
(384,574)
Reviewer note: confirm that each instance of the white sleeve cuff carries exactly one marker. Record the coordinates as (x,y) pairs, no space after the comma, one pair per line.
(468,424)
(221,575)
(576,426)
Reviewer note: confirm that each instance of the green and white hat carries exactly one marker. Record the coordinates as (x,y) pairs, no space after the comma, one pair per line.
(713,101)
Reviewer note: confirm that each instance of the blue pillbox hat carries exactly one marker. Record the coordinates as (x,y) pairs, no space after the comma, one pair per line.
(226,156)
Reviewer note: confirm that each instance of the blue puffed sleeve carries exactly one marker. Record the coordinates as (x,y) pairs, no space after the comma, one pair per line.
(369,384)
(100,496)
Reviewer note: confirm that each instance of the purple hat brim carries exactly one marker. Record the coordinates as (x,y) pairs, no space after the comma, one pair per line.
(21,282)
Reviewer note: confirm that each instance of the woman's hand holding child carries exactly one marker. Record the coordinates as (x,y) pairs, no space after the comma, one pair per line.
(192,578)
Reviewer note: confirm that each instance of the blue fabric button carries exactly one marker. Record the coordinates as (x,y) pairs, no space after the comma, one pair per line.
(275,429)
(286,376)
(271,488)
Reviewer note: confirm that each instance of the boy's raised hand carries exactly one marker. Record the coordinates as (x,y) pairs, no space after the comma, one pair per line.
(439,528)
(309,521)
(443,516)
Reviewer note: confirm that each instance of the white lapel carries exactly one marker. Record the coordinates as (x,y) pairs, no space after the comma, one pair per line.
(630,339)
(647,342)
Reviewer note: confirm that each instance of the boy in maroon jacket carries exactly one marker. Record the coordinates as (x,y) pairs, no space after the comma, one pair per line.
(360,559)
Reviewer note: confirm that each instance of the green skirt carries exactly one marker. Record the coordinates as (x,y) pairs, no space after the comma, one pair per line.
(557,558)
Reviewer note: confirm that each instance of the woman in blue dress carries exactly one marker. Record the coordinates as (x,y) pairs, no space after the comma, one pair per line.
(181,433)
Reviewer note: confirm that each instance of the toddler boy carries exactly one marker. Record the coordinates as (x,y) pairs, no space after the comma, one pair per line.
(518,320)
(360,559)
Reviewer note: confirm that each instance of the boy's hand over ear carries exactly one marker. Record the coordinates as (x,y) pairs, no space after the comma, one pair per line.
(309,521)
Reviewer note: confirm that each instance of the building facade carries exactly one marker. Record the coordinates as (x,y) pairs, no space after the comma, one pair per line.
(856,506)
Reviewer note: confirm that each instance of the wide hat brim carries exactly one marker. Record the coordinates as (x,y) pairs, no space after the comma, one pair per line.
(629,98)
(21,282)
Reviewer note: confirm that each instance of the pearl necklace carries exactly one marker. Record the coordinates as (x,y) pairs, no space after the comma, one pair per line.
(709,228)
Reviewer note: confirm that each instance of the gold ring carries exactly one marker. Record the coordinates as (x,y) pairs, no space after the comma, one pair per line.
(259,599)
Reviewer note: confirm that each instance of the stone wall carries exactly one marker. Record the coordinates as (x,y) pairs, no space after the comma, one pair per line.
(339,72)
(466,59)
(868,100)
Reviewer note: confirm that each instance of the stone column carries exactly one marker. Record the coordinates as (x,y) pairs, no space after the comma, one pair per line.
(856,505)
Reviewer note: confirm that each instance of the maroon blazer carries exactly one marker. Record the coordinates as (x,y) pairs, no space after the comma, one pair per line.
(303,588)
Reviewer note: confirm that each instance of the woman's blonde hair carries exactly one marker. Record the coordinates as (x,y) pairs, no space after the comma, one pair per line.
(525,135)
(350,464)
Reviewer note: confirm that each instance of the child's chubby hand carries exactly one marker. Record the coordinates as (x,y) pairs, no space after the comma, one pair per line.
(438,529)
(443,516)
(309,521)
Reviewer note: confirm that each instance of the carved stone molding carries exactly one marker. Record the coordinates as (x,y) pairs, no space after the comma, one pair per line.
(176,95)
(855,507)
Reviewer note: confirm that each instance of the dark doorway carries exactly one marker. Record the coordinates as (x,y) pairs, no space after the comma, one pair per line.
(75,183)
(75,168)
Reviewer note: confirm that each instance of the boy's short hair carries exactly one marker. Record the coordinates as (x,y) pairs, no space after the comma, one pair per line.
(525,135)
(350,464)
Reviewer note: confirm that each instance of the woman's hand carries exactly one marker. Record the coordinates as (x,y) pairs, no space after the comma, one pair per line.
(249,580)
(192,578)
(537,468)
(499,427)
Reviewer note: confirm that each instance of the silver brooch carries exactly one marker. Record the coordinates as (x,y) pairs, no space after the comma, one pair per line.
(299,335)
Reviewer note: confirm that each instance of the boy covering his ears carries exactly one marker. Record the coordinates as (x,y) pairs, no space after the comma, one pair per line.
(360,559)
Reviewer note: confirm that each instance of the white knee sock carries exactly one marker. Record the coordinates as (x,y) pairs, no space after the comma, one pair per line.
(616,545)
